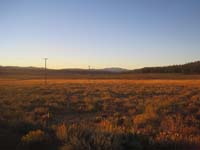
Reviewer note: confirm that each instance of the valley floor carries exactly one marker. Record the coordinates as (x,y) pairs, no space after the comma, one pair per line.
(117,114)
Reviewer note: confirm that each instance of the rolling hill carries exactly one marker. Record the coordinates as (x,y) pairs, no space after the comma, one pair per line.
(189,68)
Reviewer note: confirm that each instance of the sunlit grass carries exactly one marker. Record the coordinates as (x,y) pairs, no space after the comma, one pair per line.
(153,114)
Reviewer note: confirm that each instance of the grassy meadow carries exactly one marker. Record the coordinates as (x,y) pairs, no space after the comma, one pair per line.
(87,114)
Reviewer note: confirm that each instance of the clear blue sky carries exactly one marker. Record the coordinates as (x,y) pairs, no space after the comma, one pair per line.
(100,33)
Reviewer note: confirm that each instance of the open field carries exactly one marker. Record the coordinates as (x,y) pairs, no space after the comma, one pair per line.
(95,76)
(86,114)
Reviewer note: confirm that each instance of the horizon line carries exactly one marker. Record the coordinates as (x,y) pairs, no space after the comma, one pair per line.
(93,68)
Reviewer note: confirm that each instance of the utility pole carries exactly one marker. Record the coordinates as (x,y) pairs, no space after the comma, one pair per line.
(89,67)
(45,71)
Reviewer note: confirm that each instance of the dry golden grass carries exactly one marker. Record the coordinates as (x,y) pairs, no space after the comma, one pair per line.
(99,81)
(165,112)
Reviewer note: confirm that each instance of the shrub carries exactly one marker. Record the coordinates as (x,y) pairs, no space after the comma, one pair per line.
(85,138)
(33,136)
(93,105)
(142,120)
(35,140)
(61,132)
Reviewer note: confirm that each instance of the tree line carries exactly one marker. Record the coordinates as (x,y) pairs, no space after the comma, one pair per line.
(189,68)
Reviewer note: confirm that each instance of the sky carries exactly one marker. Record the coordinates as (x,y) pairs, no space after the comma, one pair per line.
(100,33)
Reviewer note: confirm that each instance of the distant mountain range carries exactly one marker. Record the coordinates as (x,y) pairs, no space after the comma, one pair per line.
(189,68)
(115,69)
